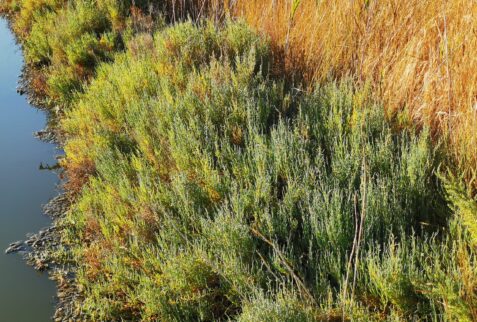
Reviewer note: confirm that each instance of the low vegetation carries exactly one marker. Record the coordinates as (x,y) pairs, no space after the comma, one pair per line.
(218,173)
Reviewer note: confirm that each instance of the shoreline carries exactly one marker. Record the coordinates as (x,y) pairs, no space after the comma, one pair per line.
(38,249)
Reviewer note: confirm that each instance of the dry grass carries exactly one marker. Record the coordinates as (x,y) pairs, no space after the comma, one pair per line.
(420,55)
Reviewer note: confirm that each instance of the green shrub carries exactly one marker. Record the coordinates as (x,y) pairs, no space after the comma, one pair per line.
(188,289)
(285,308)
(69,40)
(37,49)
(222,185)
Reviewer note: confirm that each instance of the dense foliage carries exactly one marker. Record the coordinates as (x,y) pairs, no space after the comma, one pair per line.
(208,187)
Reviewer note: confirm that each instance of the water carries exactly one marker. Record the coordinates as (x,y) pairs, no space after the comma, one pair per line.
(25,295)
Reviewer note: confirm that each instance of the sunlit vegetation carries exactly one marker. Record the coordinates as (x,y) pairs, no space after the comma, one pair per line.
(64,41)
(217,193)
(298,171)
(418,55)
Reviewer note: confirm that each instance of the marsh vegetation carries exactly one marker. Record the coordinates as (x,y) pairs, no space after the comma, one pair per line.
(225,166)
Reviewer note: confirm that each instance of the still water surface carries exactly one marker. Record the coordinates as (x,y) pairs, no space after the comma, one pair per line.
(25,295)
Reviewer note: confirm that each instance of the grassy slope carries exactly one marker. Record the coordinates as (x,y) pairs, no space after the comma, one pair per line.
(206,187)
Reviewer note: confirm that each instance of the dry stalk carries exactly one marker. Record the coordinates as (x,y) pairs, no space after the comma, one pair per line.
(358,236)
(299,282)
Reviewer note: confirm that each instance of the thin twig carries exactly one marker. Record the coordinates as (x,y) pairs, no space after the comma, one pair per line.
(358,236)
(361,224)
(264,261)
(353,249)
(288,267)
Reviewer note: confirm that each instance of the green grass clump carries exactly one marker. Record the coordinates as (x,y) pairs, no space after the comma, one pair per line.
(214,192)
(283,308)
(64,41)
(70,42)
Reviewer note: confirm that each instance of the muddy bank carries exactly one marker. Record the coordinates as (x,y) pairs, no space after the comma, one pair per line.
(42,250)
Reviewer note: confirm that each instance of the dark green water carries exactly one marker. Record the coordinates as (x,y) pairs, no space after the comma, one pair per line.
(25,295)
